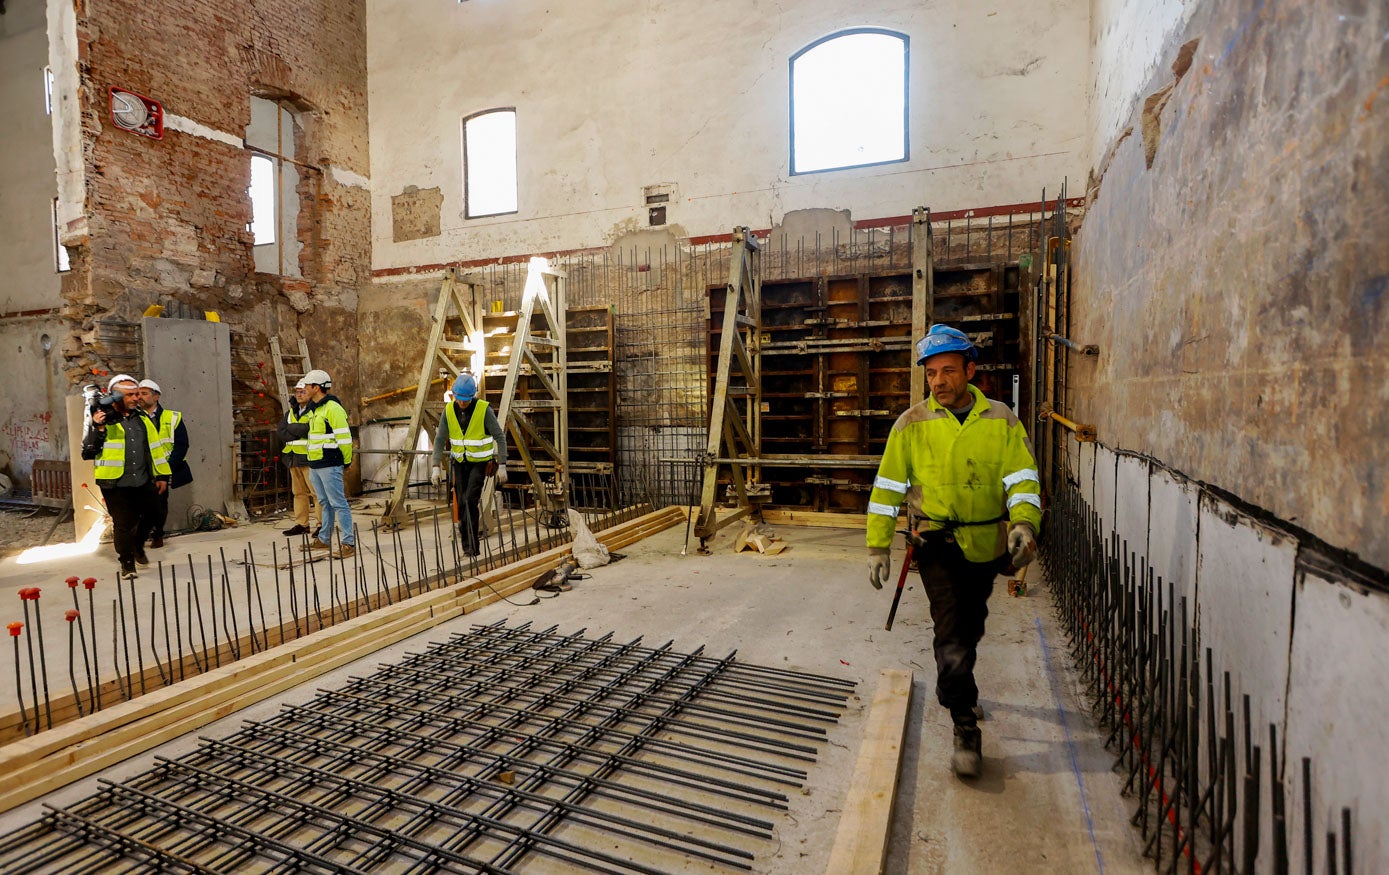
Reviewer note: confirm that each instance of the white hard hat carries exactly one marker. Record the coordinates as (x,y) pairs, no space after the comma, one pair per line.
(119,378)
(301,384)
(318,378)
(150,384)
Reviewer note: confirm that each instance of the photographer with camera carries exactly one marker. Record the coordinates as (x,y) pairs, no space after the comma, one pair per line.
(132,468)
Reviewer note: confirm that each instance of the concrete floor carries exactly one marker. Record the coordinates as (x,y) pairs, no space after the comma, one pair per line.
(1046,802)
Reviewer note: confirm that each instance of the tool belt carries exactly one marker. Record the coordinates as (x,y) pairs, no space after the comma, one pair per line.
(945,531)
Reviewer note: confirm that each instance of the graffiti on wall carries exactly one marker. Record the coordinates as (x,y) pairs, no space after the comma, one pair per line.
(28,439)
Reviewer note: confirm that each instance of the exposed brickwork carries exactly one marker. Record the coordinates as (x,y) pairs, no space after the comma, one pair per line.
(169,218)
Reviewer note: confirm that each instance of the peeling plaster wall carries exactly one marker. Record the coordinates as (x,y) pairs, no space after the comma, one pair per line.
(168,218)
(29,279)
(1239,287)
(1127,39)
(612,96)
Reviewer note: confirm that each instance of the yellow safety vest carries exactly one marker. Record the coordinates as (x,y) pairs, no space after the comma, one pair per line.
(473,445)
(110,463)
(300,446)
(168,423)
(328,429)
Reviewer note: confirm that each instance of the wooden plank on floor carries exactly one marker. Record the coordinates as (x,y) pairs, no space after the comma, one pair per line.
(815,518)
(860,845)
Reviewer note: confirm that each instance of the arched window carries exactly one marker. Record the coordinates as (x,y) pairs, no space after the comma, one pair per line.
(489,163)
(849,101)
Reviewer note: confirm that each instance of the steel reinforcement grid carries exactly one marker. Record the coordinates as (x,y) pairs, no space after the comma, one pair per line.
(503,749)
(1209,787)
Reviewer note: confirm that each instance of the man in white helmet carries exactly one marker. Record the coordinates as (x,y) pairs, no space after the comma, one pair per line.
(120,441)
(965,466)
(172,443)
(476,443)
(293,432)
(329,453)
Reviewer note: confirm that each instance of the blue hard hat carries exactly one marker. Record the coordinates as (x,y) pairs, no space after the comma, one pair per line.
(464,388)
(943,338)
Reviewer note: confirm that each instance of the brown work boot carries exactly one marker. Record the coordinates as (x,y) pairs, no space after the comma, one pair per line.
(967,758)
(315,545)
(345,551)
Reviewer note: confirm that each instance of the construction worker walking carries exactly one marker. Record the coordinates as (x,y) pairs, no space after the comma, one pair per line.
(329,452)
(477,446)
(293,432)
(965,466)
(173,442)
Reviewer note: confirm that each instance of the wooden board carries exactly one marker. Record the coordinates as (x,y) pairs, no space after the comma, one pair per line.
(37,765)
(860,845)
(815,518)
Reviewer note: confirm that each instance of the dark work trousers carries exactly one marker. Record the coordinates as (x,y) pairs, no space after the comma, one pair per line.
(468,480)
(959,594)
(131,517)
(159,514)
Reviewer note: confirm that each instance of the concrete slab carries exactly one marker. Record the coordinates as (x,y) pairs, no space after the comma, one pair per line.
(1338,714)
(1106,487)
(1131,502)
(191,362)
(1245,598)
(1046,787)
(1172,530)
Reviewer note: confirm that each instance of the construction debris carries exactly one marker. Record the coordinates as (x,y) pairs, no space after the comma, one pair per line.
(759,537)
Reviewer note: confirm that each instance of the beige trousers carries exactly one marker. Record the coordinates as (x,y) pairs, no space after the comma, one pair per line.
(305,502)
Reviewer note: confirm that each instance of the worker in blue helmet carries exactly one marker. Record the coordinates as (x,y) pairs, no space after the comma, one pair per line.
(965,467)
(476,445)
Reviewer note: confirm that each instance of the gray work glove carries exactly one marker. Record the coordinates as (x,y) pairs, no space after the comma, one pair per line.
(878,569)
(1022,545)
(501,473)
(435,475)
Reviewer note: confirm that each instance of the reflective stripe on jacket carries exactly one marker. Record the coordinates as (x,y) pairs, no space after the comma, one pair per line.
(956,473)
(162,447)
(328,431)
(474,444)
(298,446)
(110,462)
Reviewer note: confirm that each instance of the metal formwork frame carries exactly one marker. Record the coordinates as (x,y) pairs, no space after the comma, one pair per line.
(735,415)
(543,354)
(455,345)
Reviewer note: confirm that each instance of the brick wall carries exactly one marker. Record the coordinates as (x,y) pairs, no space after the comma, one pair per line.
(168,218)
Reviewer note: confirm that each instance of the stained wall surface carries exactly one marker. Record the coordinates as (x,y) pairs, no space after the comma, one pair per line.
(614,96)
(29,282)
(1237,286)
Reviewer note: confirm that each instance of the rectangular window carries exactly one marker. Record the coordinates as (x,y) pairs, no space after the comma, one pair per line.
(263,199)
(489,156)
(60,252)
(48,90)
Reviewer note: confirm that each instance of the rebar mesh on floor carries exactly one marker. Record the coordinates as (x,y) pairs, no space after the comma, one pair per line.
(501,750)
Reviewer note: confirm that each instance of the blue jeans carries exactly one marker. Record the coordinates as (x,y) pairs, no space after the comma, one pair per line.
(327,485)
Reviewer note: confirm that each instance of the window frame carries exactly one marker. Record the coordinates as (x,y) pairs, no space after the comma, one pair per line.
(62,261)
(287,264)
(467,199)
(906,98)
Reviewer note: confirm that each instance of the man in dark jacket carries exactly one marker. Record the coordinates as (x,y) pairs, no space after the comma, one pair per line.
(131,469)
(173,438)
(293,432)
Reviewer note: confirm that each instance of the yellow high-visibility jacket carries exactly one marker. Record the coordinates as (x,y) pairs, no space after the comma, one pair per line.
(976,476)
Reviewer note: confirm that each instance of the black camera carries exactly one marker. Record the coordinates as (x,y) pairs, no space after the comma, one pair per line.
(111,403)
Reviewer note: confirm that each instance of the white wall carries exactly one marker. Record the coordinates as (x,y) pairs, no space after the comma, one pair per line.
(612,95)
(28,279)
(31,405)
(1126,43)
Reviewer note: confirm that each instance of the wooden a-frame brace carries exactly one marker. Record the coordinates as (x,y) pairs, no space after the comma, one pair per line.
(735,414)
(455,345)
(543,353)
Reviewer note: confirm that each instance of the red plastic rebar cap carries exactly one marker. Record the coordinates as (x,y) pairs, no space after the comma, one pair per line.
(28,593)
(72,582)
(14,629)
(70,615)
(89,583)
